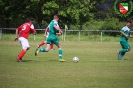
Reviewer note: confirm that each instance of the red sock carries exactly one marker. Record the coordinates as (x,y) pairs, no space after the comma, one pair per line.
(52,45)
(21,54)
(41,44)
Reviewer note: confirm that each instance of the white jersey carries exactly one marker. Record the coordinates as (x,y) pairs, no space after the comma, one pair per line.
(125,29)
(47,32)
(47,35)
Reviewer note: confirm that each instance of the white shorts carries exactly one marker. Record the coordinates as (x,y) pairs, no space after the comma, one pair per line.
(47,35)
(24,42)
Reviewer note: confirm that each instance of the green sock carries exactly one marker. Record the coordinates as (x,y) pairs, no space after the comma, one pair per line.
(122,53)
(42,50)
(60,53)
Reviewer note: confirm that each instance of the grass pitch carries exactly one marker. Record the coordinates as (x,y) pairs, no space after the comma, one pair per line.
(98,66)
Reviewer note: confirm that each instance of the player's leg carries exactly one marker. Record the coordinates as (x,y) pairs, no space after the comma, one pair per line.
(41,44)
(25,46)
(60,51)
(125,48)
(48,47)
(52,45)
(120,53)
(123,53)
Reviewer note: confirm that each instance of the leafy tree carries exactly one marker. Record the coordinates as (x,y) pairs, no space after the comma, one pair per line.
(71,11)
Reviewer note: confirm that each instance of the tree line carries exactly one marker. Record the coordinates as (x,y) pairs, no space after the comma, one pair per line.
(72,12)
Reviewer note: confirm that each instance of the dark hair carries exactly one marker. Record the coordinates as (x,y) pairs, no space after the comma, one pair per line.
(129,22)
(56,16)
(28,19)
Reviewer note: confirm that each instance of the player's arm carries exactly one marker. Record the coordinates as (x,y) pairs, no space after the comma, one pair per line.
(46,30)
(33,30)
(131,36)
(124,34)
(58,33)
(57,28)
(17,35)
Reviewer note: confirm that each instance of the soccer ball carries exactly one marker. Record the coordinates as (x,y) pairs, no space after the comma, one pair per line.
(75,59)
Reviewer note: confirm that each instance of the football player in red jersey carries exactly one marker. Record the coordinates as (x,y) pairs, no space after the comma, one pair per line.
(22,33)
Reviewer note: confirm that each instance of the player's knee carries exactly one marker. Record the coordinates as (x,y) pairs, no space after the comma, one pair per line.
(60,48)
(28,48)
(47,50)
(25,47)
(128,50)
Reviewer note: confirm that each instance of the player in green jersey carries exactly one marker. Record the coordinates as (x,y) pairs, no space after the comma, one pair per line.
(52,38)
(125,34)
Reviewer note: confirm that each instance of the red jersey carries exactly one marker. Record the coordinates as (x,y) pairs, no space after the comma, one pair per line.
(25,29)
(47,29)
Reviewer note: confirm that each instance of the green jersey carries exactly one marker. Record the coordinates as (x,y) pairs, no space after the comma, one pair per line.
(52,38)
(126,30)
(52,30)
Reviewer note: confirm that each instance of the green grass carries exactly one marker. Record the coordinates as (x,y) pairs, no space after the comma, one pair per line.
(98,66)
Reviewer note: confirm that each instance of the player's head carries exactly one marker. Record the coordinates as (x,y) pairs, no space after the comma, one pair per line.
(28,19)
(129,23)
(56,17)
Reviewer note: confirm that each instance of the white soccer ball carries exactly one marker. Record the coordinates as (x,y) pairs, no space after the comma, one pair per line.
(75,59)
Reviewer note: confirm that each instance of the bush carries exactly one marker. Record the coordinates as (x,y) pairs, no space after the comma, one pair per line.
(112,24)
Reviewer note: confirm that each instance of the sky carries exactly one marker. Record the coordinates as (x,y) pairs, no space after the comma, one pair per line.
(108,3)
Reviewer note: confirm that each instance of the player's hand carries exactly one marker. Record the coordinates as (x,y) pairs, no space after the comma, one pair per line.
(127,36)
(60,31)
(58,34)
(131,36)
(16,39)
(45,36)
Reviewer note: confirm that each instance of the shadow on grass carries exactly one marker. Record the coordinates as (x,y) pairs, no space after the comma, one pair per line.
(39,61)
(52,60)
(126,59)
(27,60)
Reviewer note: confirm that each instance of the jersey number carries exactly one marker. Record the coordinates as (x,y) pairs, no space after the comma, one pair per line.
(24,27)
